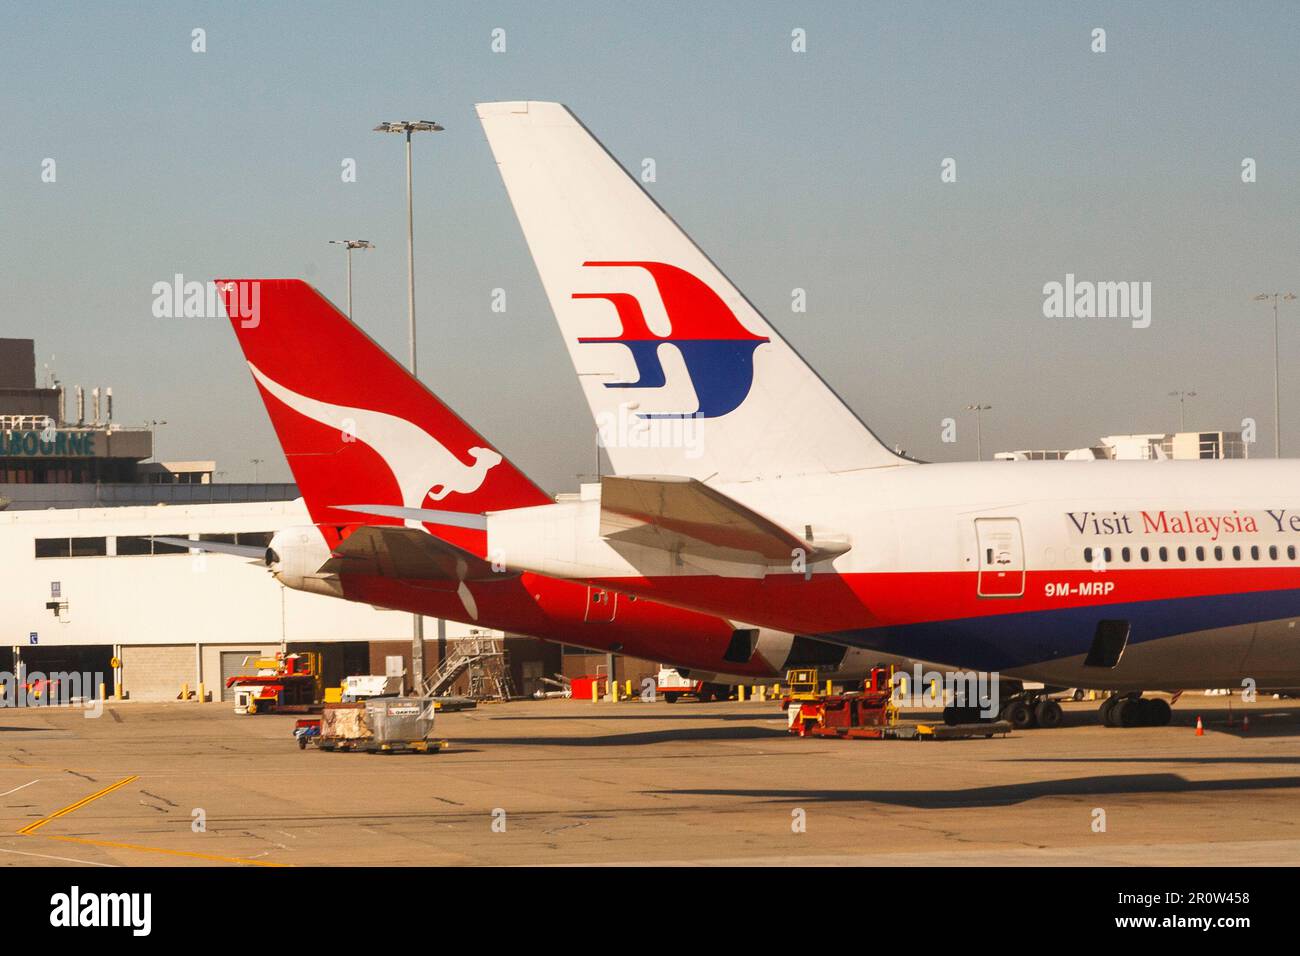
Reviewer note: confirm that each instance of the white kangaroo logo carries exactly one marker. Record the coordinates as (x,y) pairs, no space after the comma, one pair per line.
(422,465)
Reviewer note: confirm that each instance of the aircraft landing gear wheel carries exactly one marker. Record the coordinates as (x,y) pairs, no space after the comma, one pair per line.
(670,698)
(1159,712)
(1128,712)
(1018,715)
(1107,712)
(1049,714)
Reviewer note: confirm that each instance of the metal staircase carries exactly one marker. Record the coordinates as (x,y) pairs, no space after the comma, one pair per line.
(486,660)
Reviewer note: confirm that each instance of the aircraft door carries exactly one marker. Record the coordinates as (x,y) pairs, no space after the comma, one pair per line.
(1001,557)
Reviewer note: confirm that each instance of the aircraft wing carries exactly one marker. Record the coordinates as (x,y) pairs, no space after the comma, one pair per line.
(687,517)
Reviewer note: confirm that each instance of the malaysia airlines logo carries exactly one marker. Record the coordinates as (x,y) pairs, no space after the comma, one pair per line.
(718,351)
(423,467)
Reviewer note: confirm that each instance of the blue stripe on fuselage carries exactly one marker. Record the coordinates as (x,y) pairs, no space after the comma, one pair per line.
(1020,639)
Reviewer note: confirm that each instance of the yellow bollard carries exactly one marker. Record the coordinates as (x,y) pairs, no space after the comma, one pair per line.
(762,693)
(595,691)
(117,690)
(202,694)
(613,691)
(185,691)
(740,692)
(101,691)
(628,687)
(828,688)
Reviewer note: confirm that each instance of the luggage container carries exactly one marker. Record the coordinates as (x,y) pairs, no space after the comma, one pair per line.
(380,725)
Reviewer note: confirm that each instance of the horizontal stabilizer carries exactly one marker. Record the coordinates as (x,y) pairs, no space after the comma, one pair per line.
(254,552)
(687,517)
(452,519)
(406,553)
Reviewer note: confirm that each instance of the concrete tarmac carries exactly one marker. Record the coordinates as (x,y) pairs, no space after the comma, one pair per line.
(572,782)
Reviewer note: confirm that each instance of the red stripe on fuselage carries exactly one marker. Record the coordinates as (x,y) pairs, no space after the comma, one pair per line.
(838,602)
(555,610)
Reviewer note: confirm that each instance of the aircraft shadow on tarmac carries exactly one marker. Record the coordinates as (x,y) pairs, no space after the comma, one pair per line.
(1004,795)
(1263,723)
(658,715)
(1265,759)
(638,738)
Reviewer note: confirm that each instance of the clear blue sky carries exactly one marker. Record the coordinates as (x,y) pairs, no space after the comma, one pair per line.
(817,170)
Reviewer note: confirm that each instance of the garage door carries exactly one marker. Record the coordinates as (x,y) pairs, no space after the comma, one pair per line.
(232,665)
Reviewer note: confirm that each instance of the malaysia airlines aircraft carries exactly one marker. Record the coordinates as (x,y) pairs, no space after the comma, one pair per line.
(746,488)
(355,425)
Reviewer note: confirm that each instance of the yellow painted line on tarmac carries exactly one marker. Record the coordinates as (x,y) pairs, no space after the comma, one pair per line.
(31,828)
(37,824)
(159,849)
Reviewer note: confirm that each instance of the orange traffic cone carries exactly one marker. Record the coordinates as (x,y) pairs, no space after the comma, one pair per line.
(1200,728)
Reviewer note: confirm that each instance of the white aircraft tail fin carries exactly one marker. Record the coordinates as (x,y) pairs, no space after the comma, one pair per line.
(683,375)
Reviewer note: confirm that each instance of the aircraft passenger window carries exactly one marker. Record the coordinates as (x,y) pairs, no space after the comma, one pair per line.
(1164,553)
(1087,555)
(1254,552)
(1105,553)
(988,555)
(1146,554)
(1218,553)
(1236,552)
(1290,552)
(1272,552)
(1182,553)
(1200,553)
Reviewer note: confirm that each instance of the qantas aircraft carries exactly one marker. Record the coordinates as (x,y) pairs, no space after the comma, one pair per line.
(355,425)
(746,488)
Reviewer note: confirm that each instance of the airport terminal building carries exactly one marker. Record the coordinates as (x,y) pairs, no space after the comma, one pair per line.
(85,586)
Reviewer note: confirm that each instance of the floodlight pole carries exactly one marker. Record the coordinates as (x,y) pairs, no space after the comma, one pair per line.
(408,127)
(1182,397)
(348,245)
(1277,400)
(978,409)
